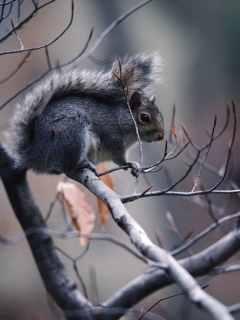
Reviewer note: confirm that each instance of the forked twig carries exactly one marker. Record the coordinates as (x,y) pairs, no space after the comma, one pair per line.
(82,55)
(44,45)
(110,28)
(17,36)
(166,298)
(195,159)
(204,233)
(24,60)
(41,76)
(29,17)
(207,152)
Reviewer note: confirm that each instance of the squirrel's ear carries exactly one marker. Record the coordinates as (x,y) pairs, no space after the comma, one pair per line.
(152,99)
(135,101)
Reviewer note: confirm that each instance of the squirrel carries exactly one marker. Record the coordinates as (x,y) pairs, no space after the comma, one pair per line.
(76,119)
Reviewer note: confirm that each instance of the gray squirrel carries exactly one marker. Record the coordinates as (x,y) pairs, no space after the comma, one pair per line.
(76,119)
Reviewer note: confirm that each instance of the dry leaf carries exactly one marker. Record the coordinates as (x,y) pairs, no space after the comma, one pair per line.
(174,131)
(103,211)
(79,207)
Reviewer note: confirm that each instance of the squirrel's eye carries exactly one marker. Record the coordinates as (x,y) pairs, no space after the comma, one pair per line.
(144,118)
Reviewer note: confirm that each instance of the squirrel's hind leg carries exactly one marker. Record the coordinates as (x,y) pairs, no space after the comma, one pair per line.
(87,152)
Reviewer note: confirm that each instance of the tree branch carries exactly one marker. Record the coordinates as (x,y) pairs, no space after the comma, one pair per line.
(55,278)
(140,239)
(197,265)
(29,17)
(109,29)
(45,45)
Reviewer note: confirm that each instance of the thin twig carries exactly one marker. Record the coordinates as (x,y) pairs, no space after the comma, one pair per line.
(110,28)
(204,233)
(48,59)
(6,3)
(9,11)
(230,148)
(17,36)
(31,15)
(166,298)
(206,154)
(17,68)
(173,120)
(44,45)
(82,55)
(74,262)
(69,235)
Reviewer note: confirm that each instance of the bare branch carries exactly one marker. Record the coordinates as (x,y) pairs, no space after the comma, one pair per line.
(110,28)
(140,239)
(235,308)
(54,275)
(80,57)
(233,267)
(204,233)
(17,36)
(195,159)
(165,268)
(9,11)
(44,45)
(150,168)
(48,59)
(24,60)
(155,279)
(31,15)
(6,3)
(207,152)
(172,296)
(68,235)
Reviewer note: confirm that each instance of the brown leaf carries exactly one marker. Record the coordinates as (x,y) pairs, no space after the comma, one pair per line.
(79,207)
(174,131)
(103,211)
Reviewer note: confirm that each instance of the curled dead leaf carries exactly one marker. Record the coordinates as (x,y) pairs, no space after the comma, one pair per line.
(79,207)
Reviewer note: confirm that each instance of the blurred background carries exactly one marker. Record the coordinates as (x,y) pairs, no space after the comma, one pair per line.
(200,44)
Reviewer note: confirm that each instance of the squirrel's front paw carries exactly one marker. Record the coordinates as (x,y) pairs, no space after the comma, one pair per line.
(136,168)
(87,165)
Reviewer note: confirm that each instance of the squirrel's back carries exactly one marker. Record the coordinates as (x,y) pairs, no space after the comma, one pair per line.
(137,73)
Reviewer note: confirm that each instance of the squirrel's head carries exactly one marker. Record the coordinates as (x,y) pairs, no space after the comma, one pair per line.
(148,118)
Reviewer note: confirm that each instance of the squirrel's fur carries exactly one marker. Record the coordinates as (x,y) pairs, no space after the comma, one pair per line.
(69,103)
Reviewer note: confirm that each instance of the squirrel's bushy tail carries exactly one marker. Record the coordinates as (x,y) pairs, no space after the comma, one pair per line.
(136,73)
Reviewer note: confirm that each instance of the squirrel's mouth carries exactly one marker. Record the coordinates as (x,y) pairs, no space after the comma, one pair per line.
(156,136)
(160,136)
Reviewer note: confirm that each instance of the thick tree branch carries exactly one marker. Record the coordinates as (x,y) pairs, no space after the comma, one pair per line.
(167,271)
(198,265)
(140,239)
(56,280)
